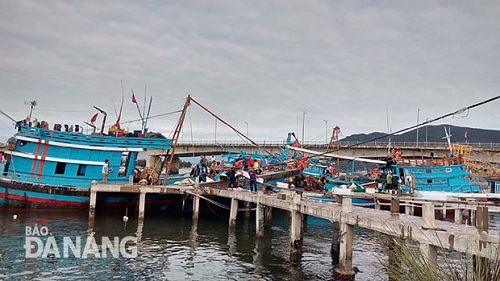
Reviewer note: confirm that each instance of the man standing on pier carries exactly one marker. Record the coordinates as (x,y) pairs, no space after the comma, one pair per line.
(105,171)
(253,180)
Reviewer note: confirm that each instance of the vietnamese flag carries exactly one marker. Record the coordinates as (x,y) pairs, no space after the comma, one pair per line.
(133,99)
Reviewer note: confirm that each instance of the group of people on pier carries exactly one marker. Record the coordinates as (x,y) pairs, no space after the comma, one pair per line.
(210,168)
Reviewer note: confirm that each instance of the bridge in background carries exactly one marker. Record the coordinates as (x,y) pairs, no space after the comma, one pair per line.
(374,150)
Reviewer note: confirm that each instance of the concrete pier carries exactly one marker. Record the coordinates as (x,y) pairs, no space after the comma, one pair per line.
(425,229)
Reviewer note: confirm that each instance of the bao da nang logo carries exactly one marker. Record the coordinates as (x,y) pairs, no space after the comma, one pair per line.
(40,243)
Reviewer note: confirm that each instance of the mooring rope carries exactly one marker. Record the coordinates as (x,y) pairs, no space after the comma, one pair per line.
(217,203)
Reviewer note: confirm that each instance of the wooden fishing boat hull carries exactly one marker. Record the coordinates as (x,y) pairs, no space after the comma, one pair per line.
(19,194)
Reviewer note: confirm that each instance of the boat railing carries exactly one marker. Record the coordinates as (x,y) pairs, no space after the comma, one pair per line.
(428,162)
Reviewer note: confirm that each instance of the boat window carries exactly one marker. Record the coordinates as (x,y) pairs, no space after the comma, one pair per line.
(81,170)
(23,143)
(428,171)
(448,170)
(60,168)
(429,181)
(461,168)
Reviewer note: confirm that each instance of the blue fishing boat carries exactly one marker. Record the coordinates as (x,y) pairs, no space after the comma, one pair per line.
(56,168)
(430,178)
(446,174)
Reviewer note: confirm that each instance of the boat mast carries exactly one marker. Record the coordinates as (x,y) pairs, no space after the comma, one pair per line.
(169,156)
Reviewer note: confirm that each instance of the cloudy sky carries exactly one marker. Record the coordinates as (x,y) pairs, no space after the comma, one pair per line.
(266,67)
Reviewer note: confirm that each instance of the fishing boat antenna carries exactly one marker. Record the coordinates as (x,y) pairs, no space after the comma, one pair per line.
(32,104)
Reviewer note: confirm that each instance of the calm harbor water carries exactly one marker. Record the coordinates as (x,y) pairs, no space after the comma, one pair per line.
(174,247)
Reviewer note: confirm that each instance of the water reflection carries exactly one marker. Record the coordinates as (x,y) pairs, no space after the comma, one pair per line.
(179,248)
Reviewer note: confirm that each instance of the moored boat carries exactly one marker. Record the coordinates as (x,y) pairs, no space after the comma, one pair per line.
(56,168)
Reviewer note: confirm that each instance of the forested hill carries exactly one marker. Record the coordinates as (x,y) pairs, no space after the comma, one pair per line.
(434,134)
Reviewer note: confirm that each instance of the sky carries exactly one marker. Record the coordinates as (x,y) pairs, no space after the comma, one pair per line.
(265,67)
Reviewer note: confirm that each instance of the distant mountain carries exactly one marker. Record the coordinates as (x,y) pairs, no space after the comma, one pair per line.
(434,134)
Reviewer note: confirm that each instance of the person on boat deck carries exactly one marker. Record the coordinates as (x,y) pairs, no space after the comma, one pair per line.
(382,179)
(232,177)
(253,180)
(218,167)
(395,182)
(256,167)
(105,170)
(213,168)
(1,156)
(245,164)
(388,183)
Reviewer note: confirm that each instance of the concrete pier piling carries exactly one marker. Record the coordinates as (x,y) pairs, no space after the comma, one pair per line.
(259,221)
(92,204)
(344,270)
(233,213)
(196,207)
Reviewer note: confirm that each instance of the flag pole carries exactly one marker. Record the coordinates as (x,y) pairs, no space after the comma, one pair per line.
(137,105)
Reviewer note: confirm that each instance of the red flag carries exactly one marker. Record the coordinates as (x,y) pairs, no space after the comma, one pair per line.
(133,99)
(92,120)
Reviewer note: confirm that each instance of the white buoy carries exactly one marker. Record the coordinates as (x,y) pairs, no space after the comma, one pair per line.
(125,219)
(14,217)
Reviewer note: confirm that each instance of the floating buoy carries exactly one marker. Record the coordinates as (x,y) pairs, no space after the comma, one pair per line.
(14,217)
(125,219)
